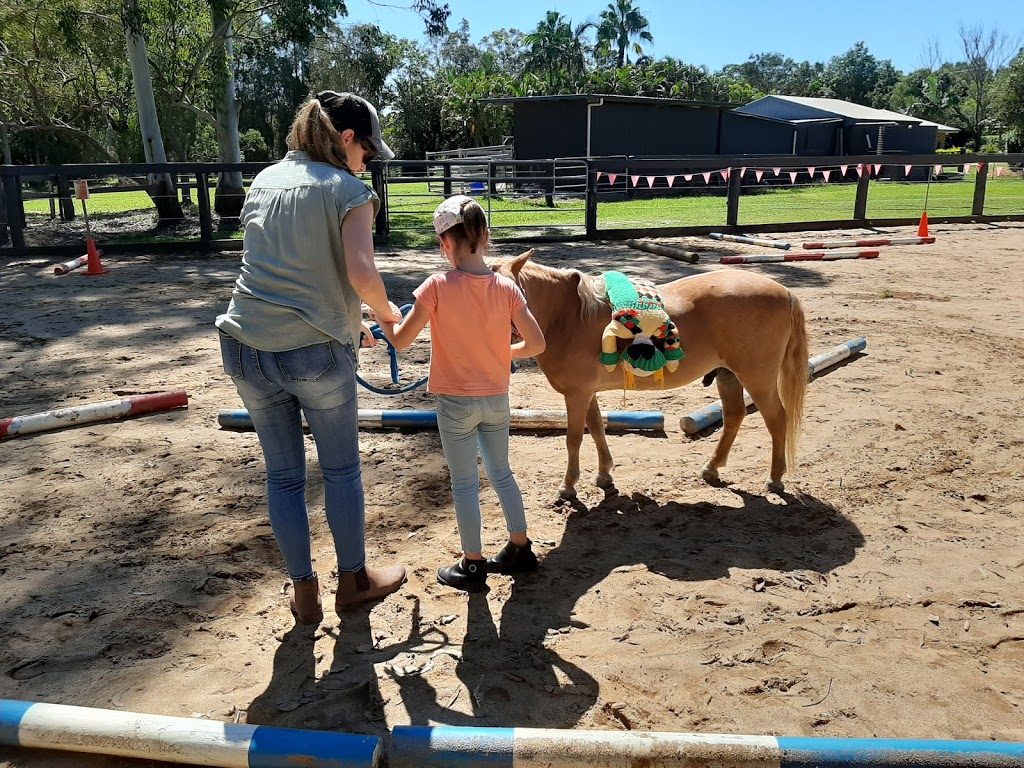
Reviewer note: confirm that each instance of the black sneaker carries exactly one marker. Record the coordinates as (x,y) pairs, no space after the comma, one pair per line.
(469,575)
(514,559)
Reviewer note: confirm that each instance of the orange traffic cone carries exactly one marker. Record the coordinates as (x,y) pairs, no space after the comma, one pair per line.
(94,266)
(922,228)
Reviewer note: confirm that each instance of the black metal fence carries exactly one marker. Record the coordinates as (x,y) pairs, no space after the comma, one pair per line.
(557,199)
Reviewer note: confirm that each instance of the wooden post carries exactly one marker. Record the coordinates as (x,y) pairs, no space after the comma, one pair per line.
(549,197)
(590,213)
(382,224)
(980,184)
(67,202)
(732,203)
(205,216)
(4,237)
(446,169)
(860,205)
(15,210)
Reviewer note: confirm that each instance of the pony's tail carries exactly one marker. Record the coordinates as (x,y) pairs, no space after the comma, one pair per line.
(793,377)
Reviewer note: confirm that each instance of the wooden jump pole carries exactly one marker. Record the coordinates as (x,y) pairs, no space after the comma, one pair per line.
(678,254)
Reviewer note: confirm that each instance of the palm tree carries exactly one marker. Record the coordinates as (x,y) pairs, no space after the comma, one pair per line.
(558,48)
(620,25)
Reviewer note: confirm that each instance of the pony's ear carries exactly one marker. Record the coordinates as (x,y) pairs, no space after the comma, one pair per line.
(519,262)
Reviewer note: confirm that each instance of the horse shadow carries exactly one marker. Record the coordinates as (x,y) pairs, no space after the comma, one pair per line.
(509,670)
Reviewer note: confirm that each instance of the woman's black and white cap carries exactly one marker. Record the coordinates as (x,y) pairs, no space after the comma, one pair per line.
(347,110)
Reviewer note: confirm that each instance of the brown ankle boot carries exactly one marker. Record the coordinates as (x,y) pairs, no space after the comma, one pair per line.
(306,604)
(367,584)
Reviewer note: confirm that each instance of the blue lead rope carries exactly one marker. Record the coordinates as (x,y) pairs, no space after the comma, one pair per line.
(393,356)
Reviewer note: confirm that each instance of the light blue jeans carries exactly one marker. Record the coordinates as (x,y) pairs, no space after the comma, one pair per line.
(466,423)
(318,380)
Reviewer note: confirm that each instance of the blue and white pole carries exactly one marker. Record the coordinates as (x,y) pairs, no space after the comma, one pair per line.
(180,739)
(521,419)
(710,415)
(446,747)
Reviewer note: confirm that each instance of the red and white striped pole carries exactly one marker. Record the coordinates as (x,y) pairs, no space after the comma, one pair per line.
(870,243)
(67,266)
(86,414)
(767,258)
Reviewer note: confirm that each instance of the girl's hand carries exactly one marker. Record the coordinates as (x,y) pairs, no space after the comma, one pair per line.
(393,315)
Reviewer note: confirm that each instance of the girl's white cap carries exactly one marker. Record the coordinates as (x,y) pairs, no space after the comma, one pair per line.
(449,213)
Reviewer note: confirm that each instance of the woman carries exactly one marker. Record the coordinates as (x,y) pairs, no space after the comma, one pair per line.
(290,334)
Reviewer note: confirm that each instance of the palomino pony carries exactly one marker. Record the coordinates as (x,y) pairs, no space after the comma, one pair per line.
(745,325)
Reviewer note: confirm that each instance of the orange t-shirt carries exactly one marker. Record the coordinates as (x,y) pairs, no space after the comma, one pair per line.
(470,331)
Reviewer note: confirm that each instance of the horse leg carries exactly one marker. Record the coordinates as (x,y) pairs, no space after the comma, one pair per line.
(604,456)
(576,405)
(733,411)
(772,410)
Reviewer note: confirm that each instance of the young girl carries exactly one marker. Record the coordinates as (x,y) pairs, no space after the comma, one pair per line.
(471,310)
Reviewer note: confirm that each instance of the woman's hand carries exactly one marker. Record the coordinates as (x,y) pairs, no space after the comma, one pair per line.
(367,339)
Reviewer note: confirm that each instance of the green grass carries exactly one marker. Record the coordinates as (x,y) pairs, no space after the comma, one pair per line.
(412,205)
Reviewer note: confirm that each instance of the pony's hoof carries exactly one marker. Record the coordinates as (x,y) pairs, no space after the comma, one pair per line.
(710,475)
(604,480)
(566,493)
(775,486)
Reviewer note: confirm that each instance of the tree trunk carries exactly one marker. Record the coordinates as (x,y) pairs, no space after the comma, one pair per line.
(230,192)
(5,139)
(161,185)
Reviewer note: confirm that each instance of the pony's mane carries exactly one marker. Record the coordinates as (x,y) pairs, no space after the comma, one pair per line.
(591,290)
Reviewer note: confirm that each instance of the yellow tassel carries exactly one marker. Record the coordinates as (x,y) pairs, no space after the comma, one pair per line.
(629,380)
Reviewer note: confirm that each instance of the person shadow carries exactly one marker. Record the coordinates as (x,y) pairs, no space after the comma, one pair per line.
(509,669)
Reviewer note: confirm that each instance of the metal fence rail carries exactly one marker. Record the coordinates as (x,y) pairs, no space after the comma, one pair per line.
(556,199)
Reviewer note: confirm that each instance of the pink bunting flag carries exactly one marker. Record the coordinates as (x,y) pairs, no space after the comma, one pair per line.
(826,174)
(981,167)
(612,177)
(792,177)
(999,170)
(707,177)
(671,180)
(878,169)
(777,171)
(743,172)
(967,167)
(758,175)
(810,170)
(598,176)
(938,168)
(650,182)
(725,174)
(860,170)
(635,180)
(842,170)
(687,177)
(907,169)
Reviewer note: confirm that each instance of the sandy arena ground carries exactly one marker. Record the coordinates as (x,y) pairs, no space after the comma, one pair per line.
(881,596)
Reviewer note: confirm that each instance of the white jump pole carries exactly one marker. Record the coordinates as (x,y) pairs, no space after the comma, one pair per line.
(452,747)
(521,419)
(710,415)
(772,258)
(869,243)
(751,241)
(180,739)
(86,414)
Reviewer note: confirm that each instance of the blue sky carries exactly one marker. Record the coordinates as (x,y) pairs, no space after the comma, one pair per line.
(718,32)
